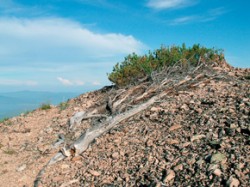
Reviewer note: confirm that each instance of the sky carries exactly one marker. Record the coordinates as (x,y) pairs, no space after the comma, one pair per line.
(71,45)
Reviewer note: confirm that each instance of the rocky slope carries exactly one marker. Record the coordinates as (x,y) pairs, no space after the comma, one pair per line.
(196,135)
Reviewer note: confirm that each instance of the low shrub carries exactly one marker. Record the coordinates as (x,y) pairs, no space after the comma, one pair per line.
(4,120)
(135,67)
(45,106)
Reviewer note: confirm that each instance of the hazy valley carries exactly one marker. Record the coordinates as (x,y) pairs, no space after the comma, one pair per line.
(14,103)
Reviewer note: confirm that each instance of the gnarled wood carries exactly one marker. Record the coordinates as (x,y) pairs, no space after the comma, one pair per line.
(83,142)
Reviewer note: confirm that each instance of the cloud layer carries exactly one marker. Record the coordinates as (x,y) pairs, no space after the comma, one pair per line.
(59,47)
(58,38)
(205,17)
(13,82)
(166,4)
(67,82)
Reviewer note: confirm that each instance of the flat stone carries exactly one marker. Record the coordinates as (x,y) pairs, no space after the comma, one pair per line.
(21,168)
(153,116)
(174,127)
(64,166)
(199,110)
(94,173)
(155,109)
(170,176)
(173,141)
(217,172)
(233,126)
(197,137)
(218,158)
(178,167)
(185,107)
(233,182)
(115,155)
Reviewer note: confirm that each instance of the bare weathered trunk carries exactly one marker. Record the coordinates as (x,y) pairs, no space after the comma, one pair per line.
(115,118)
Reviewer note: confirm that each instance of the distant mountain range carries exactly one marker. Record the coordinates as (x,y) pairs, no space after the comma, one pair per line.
(14,103)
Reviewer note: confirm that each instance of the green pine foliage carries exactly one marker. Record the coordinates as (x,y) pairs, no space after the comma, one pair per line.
(45,106)
(135,67)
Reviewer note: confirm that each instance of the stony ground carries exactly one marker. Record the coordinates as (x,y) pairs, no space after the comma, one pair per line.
(197,135)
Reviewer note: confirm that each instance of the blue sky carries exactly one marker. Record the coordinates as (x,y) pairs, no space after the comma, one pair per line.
(71,45)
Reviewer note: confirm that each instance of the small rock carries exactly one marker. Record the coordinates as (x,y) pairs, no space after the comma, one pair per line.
(170,176)
(158,184)
(233,182)
(94,173)
(49,130)
(218,157)
(185,107)
(198,110)
(153,116)
(186,144)
(149,143)
(213,167)
(233,126)
(173,141)
(200,162)
(197,137)
(21,168)
(77,158)
(64,166)
(217,172)
(115,155)
(155,109)
(174,127)
(241,165)
(178,167)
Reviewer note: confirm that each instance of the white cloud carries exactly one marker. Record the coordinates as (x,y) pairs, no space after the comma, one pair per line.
(68,82)
(210,15)
(46,38)
(48,48)
(96,83)
(183,20)
(79,83)
(65,82)
(217,11)
(13,82)
(166,4)
(191,19)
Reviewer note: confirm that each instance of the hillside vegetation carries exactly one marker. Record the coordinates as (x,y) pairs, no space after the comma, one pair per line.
(136,67)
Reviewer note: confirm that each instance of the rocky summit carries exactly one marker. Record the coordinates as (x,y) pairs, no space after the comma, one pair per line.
(194,133)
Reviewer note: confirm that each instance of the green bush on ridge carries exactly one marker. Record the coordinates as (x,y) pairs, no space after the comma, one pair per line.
(135,67)
(45,106)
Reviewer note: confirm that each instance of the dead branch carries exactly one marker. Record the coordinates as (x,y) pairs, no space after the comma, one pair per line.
(145,95)
(76,119)
(79,116)
(83,142)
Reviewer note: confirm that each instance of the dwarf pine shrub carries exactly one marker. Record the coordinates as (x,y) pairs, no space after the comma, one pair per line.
(135,67)
(45,106)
